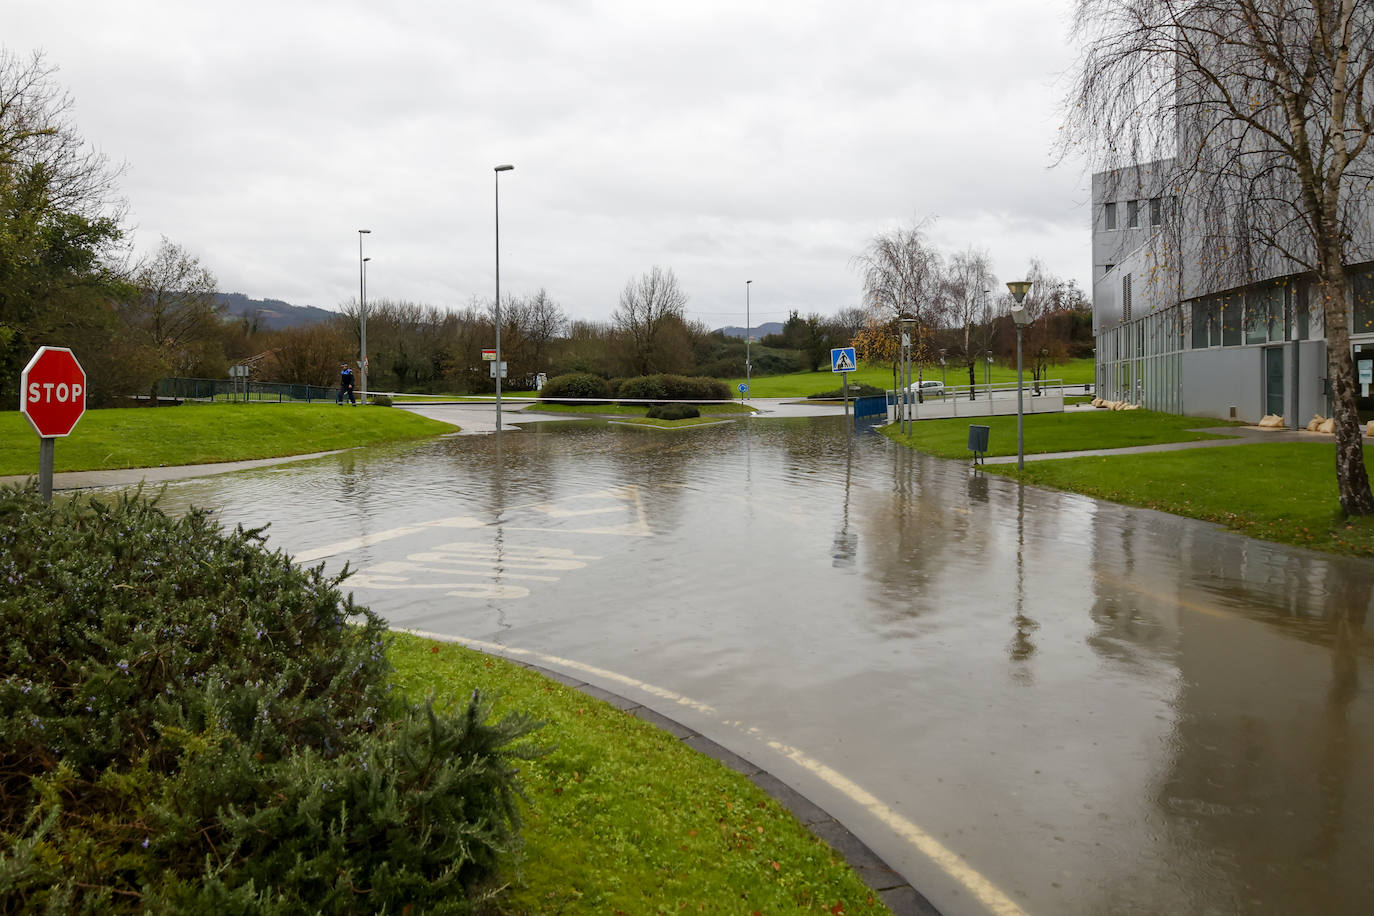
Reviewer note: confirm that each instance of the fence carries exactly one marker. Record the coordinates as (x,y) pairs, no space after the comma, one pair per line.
(1047,396)
(209,389)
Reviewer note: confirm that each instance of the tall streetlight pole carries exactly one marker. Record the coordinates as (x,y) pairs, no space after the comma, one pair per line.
(362,313)
(499,169)
(1020,317)
(748,333)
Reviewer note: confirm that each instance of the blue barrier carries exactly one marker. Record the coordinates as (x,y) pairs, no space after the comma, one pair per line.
(869,407)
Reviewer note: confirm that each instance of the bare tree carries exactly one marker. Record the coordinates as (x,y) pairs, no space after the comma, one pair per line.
(651,323)
(537,321)
(968,283)
(1050,296)
(903,277)
(1264,110)
(173,307)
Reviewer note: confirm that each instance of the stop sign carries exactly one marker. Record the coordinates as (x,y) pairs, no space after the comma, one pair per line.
(52,391)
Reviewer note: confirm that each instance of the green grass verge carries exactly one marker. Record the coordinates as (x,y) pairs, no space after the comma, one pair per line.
(623,817)
(801,384)
(1277,491)
(633,410)
(138,437)
(1055,432)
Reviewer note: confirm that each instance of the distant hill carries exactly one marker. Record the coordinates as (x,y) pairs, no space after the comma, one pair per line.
(272,314)
(757,331)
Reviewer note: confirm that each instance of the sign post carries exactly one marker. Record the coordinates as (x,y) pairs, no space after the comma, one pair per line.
(52,394)
(842,360)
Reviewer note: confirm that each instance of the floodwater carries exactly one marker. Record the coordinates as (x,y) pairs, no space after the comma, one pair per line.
(1025,701)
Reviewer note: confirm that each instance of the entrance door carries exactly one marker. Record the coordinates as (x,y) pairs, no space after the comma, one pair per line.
(1364,381)
(1273,380)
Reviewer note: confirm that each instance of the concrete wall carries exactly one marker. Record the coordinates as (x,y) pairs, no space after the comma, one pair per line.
(1217,379)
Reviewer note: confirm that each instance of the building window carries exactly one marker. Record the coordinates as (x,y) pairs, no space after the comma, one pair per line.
(1206,324)
(1126,298)
(1259,309)
(1362,286)
(1300,310)
(1109,212)
(1232,319)
(1107,268)
(1132,214)
(1156,211)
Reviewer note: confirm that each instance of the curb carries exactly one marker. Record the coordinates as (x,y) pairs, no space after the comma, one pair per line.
(894,890)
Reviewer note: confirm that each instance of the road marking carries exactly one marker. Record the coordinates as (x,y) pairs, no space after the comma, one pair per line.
(628,497)
(948,861)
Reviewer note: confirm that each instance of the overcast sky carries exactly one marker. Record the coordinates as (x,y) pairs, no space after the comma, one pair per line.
(729,141)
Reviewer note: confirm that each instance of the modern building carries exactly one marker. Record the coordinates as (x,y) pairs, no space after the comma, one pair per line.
(1174,337)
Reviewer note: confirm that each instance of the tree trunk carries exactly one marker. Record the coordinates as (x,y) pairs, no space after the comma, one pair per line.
(1352,478)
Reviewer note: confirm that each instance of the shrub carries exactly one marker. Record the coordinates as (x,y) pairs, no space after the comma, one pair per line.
(673,388)
(190,723)
(580,385)
(672,412)
(855,391)
(643,388)
(379,400)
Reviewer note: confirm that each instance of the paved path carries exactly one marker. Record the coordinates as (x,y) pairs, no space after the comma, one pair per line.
(1242,435)
(131,477)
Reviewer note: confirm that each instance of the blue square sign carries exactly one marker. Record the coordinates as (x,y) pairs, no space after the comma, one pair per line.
(842,360)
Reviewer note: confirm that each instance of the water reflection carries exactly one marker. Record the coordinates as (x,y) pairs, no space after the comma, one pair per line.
(1099,709)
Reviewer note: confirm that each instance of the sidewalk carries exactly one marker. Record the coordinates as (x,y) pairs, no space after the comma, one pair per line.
(129,477)
(1243,435)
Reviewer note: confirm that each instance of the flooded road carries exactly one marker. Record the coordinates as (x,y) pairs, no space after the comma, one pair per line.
(1025,701)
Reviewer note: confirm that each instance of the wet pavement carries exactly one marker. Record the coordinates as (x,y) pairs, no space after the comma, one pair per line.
(1024,701)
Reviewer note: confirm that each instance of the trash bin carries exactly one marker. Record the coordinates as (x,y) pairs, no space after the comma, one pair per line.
(978,442)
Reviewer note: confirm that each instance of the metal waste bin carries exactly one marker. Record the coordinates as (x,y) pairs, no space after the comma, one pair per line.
(978,442)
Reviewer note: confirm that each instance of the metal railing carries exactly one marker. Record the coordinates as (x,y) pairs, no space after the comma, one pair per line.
(209,389)
(1046,396)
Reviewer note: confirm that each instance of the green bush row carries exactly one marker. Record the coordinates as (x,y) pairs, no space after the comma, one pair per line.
(190,723)
(642,388)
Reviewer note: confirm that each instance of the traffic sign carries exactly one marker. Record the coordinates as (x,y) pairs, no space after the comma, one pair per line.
(52,392)
(842,359)
(489,355)
(743,388)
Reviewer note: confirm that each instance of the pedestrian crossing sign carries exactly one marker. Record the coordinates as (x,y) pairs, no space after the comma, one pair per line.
(842,360)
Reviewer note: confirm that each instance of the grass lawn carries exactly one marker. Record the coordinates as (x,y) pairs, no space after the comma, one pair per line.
(1278,491)
(633,410)
(1055,432)
(801,384)
(138,437)
(623,817)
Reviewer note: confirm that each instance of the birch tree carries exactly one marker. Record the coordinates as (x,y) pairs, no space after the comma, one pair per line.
(1266,108)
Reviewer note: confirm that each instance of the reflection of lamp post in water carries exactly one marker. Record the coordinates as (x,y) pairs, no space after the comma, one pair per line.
(846,544)
(1021,318)
(1021,646)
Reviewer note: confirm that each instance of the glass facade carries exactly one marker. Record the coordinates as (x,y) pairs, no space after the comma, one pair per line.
(1140,361)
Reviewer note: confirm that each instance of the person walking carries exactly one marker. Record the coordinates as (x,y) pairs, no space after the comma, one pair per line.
(345,385)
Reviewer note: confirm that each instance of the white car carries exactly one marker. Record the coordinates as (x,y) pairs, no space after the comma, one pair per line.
(929,389)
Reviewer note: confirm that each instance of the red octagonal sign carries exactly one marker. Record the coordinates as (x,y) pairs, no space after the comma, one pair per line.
(52,391)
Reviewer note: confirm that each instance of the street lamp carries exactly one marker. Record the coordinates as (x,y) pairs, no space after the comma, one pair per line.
(906,324)
(362,313)
(748,333)
(499,169)
(1020,317)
